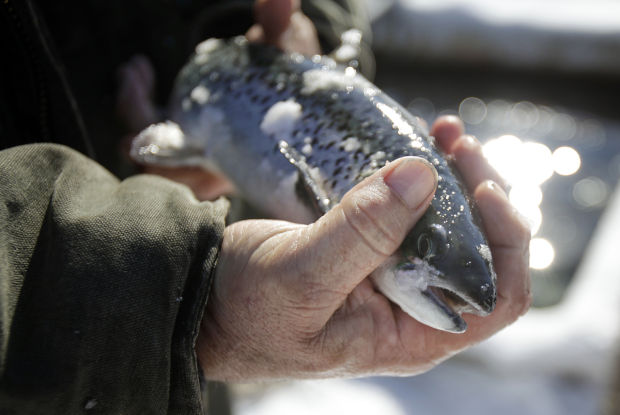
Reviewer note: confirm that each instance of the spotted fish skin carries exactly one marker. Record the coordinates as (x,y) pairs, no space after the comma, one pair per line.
(295,134)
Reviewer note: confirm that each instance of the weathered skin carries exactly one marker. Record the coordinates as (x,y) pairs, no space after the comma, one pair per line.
(296,134)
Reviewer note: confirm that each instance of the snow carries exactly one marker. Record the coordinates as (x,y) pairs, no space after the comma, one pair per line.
(200,94)
(351,144)
(326,80)
(158,137)
(311,397)
(280,119)
(208,46)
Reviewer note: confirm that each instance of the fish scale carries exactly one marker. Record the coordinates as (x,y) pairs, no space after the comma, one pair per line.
(295,134)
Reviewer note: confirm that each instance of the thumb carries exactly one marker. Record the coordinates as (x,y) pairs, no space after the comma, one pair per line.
(368,225)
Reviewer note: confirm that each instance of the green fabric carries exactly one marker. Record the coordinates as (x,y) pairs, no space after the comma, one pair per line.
(103,285)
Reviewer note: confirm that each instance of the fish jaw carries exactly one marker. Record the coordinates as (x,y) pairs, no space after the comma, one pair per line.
(426,295)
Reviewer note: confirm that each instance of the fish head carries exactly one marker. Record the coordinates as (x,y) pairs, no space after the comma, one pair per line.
(441,271)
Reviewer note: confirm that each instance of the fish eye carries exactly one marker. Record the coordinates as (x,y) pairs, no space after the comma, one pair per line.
(425,245)
(433,242)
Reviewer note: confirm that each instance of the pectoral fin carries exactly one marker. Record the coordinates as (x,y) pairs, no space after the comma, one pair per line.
(308,186)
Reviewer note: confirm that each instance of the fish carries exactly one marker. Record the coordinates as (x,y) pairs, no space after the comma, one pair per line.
(295,133)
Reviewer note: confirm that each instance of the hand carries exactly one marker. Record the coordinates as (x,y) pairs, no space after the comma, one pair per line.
(293,300)
(279,22)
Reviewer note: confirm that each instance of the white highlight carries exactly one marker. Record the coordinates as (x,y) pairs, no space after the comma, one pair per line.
(397,119)
(280,119)
(200,94)
(346,53)
(472,110)
(542,253)
(485,253)
(566,161)
(507,154)
(324,79)
(351,144)
(591,192)
(207,46)
(527,199)
(157,138)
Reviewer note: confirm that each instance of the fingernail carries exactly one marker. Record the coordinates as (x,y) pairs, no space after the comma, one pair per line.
(471,142)
(497,189)
(413,179)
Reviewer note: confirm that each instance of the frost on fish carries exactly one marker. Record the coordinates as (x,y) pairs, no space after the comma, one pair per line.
(347,80)
(295,134)
(200,95)
(157,140)
(280,119)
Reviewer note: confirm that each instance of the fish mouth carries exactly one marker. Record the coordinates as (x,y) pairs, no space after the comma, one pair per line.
(432,298)
(452,305)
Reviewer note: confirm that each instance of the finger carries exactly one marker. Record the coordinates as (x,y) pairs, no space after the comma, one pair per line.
(146,72)
(446,130)
(281,23)
(472,164)
(369,224)
(274,16)
(503,225)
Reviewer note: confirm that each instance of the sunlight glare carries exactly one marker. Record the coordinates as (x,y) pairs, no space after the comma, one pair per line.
(566,161)
(542,253)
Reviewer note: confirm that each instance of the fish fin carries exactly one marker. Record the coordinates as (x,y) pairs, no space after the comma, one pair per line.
(165,144)
(307,185)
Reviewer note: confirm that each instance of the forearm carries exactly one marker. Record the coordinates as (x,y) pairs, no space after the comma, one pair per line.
(103,285)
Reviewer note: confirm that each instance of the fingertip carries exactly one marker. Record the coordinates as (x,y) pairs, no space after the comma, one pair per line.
(493,189)
(470,160)
(466,143)
(274,16)
(503,223)
(413,179)
(446,130)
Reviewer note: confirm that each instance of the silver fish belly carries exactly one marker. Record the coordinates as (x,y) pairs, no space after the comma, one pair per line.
(295,134)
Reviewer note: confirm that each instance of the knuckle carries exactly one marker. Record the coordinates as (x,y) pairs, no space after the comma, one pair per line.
(526,303)
(365,219)
(523,232)
(520,304)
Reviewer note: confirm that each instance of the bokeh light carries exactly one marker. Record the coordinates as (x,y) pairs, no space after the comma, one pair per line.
(536,164)
(590,192)
(527,199)
(564,126)
(422,108)
(542,253)
(528,163)
(566,161)
(524,115)
(501,154)
(472,110)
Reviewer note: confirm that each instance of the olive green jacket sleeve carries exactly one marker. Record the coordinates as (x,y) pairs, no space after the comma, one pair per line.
(102,286)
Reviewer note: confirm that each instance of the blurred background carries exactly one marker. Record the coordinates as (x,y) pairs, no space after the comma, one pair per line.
(537,81)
